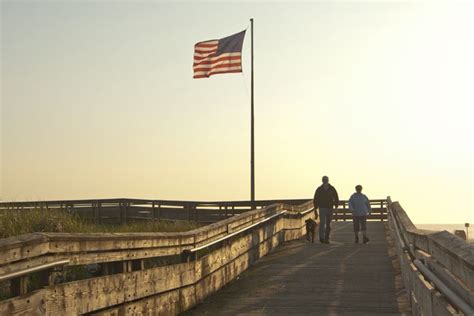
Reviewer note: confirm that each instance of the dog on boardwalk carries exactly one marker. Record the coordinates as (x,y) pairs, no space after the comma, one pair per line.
(311,225)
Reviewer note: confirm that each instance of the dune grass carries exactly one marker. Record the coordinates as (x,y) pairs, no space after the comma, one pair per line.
(18,222)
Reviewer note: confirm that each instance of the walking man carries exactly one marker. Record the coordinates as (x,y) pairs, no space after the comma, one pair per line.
(325,198)
(360,207)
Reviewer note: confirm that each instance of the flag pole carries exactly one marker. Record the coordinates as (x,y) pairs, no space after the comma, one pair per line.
(252,140)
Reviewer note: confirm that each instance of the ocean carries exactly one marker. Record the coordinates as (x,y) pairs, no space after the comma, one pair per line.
(449,227)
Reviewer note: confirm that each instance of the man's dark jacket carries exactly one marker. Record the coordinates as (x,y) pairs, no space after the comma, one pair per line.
(325,198)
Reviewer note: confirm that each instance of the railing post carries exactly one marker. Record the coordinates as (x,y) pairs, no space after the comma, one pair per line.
(126,266)
(381,211)
(45,278)
(153,209)
(344,210)
(99,208)
(19,286)
(121,212)
(96,215)
(105,268)
(187,256)
(127,204)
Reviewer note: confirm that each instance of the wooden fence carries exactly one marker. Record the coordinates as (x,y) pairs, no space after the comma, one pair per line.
(139,273)
(133,273)
(121,210)
(437,267)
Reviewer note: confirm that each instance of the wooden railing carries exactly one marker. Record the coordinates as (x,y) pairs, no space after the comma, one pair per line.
(379,211)
(139,273)
(121,210)
(437,267)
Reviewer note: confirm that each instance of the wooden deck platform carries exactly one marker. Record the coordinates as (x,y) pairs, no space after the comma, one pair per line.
(341,278)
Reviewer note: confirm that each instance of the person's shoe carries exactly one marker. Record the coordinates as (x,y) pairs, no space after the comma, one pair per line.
(366,240)
(326,241)
(321,241)
(356,240)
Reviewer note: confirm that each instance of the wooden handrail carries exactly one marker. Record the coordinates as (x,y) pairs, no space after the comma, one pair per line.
(90,202)
(150,201)
(121,210)
(209,244)
(20,252)
(442,258)
(33,269)
(228,248)
(86,248)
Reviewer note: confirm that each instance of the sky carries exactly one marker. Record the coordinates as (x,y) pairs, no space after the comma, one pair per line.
(98,101)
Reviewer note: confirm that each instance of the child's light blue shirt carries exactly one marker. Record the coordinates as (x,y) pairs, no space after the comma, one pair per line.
(359,204)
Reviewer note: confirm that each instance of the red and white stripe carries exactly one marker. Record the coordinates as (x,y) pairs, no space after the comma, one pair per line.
(206,63)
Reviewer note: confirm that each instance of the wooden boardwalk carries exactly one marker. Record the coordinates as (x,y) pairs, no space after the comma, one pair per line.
(341,278)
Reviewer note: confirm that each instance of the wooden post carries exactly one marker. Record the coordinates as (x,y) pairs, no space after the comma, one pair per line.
(99,207)
(96,215)
(344,211)
(121,212)
(125,212)
(19,286)
(105,268)
(126,266)
(381,211)
(45,278)
(187,256)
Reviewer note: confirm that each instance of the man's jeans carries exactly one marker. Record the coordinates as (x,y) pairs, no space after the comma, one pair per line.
(325,217)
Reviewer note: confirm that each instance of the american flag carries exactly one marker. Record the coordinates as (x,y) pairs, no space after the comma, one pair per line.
(218,56)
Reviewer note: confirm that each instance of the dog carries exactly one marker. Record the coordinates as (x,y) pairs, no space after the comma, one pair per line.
(311,225)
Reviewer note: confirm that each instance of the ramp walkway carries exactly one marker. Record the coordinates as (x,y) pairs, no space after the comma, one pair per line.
(318,279)
(249,261)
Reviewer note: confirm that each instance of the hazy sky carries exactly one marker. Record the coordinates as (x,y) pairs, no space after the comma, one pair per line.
(98,101)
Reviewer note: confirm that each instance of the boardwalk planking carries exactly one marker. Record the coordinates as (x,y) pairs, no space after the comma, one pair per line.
(302,278)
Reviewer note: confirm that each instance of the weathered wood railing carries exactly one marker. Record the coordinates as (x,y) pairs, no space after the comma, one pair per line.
(121,210)
(437,267)
(135,273)
(379,210)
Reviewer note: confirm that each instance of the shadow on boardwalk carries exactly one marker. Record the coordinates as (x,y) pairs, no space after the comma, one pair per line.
(316,279)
